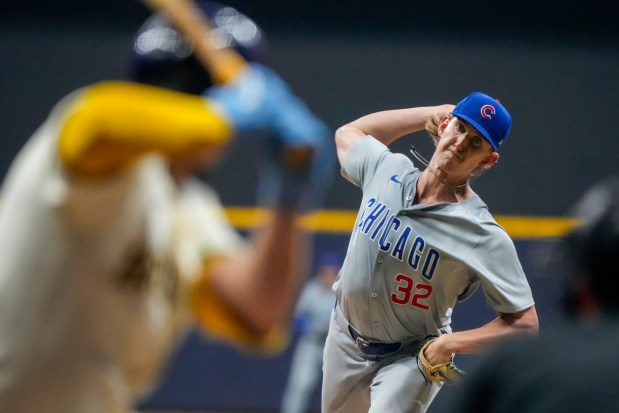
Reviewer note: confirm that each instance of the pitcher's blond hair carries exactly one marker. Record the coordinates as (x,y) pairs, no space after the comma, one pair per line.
(432,126)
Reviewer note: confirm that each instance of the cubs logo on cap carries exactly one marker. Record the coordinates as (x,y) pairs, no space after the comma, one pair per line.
(487,115)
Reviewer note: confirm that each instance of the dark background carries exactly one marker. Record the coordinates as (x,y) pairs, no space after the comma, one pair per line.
(553,64)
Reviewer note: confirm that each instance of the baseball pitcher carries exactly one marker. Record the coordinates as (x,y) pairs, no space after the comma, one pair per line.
(423,240)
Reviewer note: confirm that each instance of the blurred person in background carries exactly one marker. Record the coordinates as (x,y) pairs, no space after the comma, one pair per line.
(111,248)
(312,315)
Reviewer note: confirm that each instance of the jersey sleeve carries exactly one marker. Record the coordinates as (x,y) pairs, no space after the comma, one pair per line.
(502,278)
(363,160)
(110,124)
(369,161)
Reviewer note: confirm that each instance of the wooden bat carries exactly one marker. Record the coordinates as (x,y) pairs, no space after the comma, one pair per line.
(222,63)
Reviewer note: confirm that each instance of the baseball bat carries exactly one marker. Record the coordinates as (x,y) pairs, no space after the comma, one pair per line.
(223,63)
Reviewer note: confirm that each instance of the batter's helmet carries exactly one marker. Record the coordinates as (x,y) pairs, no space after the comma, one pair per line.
(593,247)
(163,57)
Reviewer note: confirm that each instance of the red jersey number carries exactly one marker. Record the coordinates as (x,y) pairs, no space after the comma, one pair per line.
(409,292)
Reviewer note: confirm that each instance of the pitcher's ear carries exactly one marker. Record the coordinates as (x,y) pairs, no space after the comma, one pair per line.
(490,160)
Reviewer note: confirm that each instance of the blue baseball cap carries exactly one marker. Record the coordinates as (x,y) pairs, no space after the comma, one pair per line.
(487,115)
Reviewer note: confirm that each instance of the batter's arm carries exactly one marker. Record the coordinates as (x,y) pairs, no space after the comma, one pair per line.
(112,123)
(250,299)
(476,341)
(386,126)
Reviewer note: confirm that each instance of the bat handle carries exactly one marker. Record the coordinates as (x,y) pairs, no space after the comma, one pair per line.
(223,63)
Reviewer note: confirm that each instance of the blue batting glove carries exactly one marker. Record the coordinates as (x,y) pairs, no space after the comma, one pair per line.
(244,99)
(259,100)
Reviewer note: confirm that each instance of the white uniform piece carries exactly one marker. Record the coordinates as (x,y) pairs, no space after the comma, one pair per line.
(314,311)
(92,276)
(406,268)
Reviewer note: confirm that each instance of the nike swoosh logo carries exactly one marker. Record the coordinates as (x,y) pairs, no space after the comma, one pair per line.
(394,178)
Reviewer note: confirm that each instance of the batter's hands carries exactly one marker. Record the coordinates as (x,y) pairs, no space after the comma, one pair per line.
(258,99)
(302,150)
(284,180)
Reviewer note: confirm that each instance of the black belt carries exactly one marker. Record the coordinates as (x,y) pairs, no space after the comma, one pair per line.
(372,348)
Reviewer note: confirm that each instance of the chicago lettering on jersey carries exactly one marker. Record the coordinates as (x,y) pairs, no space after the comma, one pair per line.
(382,226)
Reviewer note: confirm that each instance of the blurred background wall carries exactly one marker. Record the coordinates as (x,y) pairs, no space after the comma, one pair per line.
(552,63)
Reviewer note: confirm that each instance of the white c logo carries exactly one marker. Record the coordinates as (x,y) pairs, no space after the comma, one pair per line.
(487,111)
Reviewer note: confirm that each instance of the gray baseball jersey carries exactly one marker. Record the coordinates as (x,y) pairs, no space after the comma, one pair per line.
(405,269)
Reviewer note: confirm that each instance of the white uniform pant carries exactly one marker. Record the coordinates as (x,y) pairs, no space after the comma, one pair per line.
(304,376)
(354,382)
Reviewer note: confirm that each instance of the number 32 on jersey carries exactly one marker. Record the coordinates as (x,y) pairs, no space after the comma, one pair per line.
(410,293)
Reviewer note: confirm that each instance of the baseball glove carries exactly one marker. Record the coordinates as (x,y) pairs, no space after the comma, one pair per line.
(445,372)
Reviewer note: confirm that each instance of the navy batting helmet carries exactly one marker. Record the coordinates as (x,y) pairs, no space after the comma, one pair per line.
(163,57)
